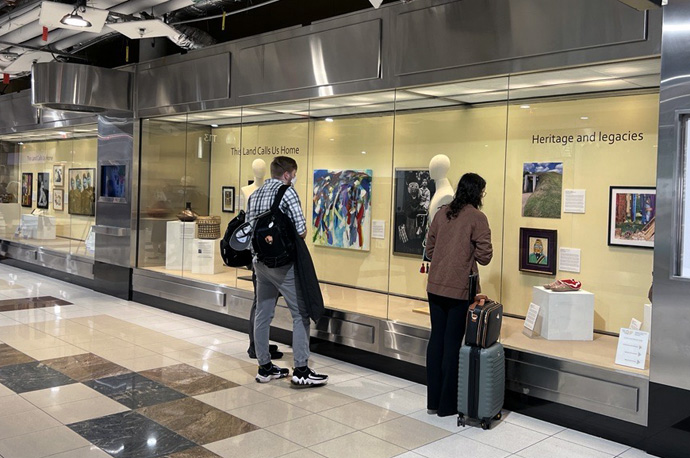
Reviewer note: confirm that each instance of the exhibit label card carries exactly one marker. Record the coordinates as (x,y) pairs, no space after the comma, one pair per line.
(532,315)
(574,201)
(632,348)
(378,229)
(569,260)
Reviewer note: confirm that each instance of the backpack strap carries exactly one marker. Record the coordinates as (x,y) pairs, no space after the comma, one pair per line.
(279,197)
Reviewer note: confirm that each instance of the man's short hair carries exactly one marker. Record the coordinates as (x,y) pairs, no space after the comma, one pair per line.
(282,164)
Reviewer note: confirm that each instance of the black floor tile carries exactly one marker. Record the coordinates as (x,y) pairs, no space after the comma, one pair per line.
(21,378)
(131,435)
(134,390)
(27,303)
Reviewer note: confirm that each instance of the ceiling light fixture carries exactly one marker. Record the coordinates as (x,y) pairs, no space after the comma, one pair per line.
(74,19)
(328,119)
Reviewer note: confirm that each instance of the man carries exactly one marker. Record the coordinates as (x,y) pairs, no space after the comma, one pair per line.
(272,281)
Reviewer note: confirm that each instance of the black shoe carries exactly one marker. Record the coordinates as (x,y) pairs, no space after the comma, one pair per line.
(273,372)
(306,376)
(273,349)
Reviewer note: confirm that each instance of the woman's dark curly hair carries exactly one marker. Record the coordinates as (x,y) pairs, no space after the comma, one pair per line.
(470,192)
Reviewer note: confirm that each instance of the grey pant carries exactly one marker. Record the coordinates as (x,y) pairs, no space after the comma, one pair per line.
(270,282)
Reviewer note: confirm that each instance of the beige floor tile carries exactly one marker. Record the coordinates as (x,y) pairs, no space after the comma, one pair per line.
(360,415)
(318,399)
(54,352)
(276,388)
(303,453)
(60,395)
(269,413)
(171,346)
(407,432)
(310,430)
(241,376)
(85,452)
(25,423)
(402,401)
(92,336)
(256,444)
(193,354)
(42,443)
(211,340)
(11,405)
(108,343)
(4,391)
(114,354)
(233,398)
(357,444)
(147,362)
(72,412)
(24,345)
(217,365)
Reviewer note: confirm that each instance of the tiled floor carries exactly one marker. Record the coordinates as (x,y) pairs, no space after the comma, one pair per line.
(88,375)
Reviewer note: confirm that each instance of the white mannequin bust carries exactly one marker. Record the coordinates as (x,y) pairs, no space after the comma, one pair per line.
(259,170)
(438,170)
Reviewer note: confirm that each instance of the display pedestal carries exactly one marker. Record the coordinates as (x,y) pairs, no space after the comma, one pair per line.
(179,245)
(564,316)
(39,227)
(206,258)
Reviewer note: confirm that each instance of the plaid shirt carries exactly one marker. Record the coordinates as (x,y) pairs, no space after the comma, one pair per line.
(261,200)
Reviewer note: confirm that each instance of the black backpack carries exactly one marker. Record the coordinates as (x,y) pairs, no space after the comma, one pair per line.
(232,257)
(273,232)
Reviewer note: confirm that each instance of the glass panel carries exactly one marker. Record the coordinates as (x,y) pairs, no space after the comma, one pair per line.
(604,146)
(49,212)
(10,188)
(163,196)
(468,126)
(350,180)
(684,267)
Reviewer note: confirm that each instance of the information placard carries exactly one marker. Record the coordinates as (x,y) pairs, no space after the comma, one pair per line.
(532,315)
(632,348)
(569,260)
(574,201)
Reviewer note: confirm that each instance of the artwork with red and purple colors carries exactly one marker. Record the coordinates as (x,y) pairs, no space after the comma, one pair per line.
(342,208)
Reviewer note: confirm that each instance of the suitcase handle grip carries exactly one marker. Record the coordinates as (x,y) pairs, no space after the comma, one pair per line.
(479,299)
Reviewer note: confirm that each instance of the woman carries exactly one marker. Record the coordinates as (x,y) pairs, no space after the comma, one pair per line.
(458,239)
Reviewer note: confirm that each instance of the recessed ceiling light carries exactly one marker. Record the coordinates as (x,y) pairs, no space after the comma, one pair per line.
(328,119)
(584,118)
(20,143)
(524,107)
(214,125)
(331,139)
(364,152)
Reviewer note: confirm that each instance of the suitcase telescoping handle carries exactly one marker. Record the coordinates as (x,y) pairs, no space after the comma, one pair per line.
(479,300)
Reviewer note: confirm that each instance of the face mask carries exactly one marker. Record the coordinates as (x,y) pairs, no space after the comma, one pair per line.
(294,180)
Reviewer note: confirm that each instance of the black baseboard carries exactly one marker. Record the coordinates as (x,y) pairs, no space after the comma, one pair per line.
(52,273)
(113,280)
(362,358)
(669,422)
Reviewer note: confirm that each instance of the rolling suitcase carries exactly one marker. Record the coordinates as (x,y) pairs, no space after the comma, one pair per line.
(481,384)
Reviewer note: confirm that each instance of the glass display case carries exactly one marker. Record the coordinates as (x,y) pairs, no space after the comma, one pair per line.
(48,189)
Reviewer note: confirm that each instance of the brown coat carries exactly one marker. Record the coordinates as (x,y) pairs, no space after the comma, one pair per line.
(455,247)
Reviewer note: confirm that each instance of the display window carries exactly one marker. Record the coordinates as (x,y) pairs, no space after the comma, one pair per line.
(48,185)
(569,157)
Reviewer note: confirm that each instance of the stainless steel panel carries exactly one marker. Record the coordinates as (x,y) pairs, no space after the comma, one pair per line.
(193,80)
(344,54)
(491,30)
(176,291)
(55,260)
(111,231)
(606,392)
(670,347)
(17,111)
(82,88)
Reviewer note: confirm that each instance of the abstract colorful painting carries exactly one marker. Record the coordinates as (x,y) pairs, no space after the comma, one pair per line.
(342,208)
(632,216)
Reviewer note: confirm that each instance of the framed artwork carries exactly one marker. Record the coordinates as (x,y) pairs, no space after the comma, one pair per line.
(58,199)
(58,175)
(538,250)
(113,180)
(542,188)
(81,197)
(27,189)
(341,215)
(43,190)
(413,192)
(229,199)
(632,216)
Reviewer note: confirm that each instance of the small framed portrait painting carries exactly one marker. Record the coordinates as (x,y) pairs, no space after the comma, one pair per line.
(538,250)
(229,199)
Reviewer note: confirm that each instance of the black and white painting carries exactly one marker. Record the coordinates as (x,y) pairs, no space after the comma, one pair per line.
(413,192)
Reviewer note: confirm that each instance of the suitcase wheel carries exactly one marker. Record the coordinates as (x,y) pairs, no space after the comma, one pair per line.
(461,420)
(498,416)
(486,424)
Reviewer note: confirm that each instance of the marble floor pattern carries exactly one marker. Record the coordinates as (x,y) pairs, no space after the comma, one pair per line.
(85,375)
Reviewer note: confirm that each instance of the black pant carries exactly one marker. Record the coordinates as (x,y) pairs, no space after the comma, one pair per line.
(447,331)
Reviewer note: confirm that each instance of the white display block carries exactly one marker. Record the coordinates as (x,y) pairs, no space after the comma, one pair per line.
(179,245)
(206,258)
(647,318)
(39,227)
(564,316)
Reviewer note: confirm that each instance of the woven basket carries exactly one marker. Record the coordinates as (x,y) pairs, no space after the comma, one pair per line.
(208,227)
